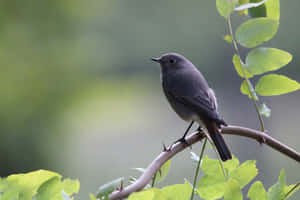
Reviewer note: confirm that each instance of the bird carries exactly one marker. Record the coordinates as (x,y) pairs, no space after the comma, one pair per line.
(191,98)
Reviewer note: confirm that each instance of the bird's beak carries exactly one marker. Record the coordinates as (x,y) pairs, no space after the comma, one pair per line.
(155,59)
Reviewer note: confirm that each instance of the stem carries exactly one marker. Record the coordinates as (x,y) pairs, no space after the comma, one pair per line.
(250,88)
(198,168)
(291,190)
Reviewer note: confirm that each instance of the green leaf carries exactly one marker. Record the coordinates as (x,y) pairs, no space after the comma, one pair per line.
(273,9)
(225,7)
(249,5)
(71,186)
(273,84)
(212,185)
(228,39)
(178,191)
(233,191)
(276,192)
(245,90)
(256,31)
(264,110)
(105,190)
(261,60)
(50,190)
(162,173)
(238,67)
(244,173)
(257,192)
(92,197)
(150,194)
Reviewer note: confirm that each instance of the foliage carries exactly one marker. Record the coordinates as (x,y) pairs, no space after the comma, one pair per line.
(250,34)
(38,185)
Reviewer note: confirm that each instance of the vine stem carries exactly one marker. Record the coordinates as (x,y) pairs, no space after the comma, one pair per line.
(291,190)
(250,87)
(198,168)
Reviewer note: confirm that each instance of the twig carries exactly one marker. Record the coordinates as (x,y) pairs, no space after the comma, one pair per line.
(198,169)
(156,164)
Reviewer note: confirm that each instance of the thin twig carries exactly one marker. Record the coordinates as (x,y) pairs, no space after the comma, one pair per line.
(291,190)
(198,168)
(163,157)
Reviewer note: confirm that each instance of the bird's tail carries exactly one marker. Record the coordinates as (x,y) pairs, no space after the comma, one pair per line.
(219,142)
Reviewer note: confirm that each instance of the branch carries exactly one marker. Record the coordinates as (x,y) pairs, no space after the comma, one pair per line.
(164,156)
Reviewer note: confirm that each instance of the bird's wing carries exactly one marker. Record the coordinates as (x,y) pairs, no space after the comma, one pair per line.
(200,100)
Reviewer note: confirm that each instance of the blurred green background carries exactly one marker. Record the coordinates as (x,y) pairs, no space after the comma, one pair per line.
(80,96)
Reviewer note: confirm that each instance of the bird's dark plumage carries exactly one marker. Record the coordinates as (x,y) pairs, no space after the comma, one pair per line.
(191,98)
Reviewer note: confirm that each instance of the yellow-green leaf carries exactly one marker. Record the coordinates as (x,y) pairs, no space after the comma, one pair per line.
(273,9)
(233,191)
(225,7)
(261,60)
(274,84)
(160,175)
(257,192)
(238,67)
(178,191)
(256,31)
(150,194)
(244,173)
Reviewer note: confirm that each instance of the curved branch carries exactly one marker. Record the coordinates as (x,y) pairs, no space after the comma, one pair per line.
(164,156)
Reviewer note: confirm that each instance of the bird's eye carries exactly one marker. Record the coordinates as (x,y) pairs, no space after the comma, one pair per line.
(172,61)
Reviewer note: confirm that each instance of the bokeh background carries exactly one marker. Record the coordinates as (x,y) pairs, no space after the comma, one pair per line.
(80,96)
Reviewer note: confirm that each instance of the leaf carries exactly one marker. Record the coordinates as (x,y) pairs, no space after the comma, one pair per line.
(225,7)
(160,175)
(70,186)
(257,192)
(50,190)
(249,5)
(92,197)
(276,192)
(261,60)
(273,9)
(245,90)
(233,191)
(178,191)
(244,173)
(273,84)
(105,190)
(212,185)
(150,194)
(26,185)
(264,110)
(238,67)
(228,38)
(256,31)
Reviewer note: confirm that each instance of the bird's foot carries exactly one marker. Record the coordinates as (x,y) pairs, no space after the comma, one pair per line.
(182,140)
(200,129)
